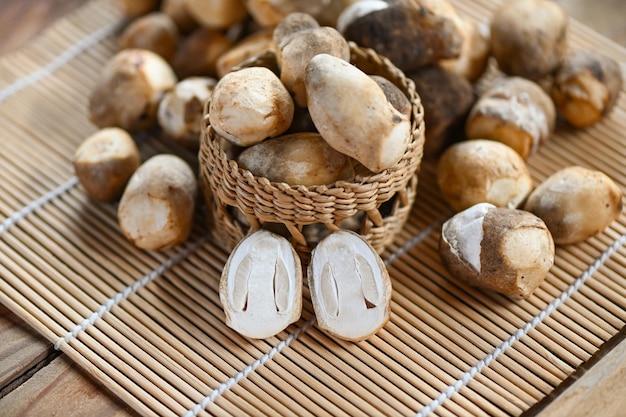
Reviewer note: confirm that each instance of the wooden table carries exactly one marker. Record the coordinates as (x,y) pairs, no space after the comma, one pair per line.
(35,380)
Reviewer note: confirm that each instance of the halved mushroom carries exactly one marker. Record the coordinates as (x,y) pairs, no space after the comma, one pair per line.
(350,287)
(261,285)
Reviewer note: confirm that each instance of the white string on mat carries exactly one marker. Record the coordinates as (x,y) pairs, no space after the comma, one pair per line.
(59,60)
(521,332)
(230,382)
(34,205)
(127,292)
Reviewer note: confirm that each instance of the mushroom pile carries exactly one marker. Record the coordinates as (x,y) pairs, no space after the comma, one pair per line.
(287,104)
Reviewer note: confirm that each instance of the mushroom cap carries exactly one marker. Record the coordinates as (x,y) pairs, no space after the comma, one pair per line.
(353,115)
(250,105)
(217,14)
(155,31)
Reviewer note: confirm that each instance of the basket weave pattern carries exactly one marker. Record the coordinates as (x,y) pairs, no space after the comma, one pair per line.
(383,199)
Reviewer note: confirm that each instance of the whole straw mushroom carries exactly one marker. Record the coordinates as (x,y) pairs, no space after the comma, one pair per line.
(198,53)
(429,27)
(297,159)
(134,8)
(157,207)
(576,203)
(104,163)
(515,111)
(586,87)
(250,105)
(529,37)
(295,49)
(155,32)
(474,171)
(252,47)
(181,110)
(129,90)
(353,115)
(506,250)
(216,14)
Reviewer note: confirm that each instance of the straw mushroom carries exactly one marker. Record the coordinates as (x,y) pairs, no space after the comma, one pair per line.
(429,27)
(515,111)
(295,52)
(129,90)
(353,115)
(182,108)
(395,96)
(104,162)
(155,32)
(197,54)
(297,159)
(350,287)
(475,52)
(177,11)
(261,285)
(586,87)
(576,203)
(529,37)
(447,98)
(250,105)
(251,47)
(217,14)
(134,8)
(157,207)
(505,250)
(474,171)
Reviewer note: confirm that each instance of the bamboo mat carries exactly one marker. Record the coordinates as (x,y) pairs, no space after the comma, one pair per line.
(149,325)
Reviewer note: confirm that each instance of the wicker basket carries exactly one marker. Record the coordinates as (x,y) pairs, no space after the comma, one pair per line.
(379,203)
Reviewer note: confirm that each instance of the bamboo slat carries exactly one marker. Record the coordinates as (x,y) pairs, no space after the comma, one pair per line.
(149,325)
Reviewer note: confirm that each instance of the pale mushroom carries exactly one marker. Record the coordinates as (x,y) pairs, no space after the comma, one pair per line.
(157,207)
(250,105)
(297,159)
(350,287)
(586,87)
(353,115)
(261,285)
(217,14)
(181,110)
(155,32)
(529,37)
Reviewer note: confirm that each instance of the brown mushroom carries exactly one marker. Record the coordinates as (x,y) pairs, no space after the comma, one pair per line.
(155,31)
(586,87)
(529,37)
(216,14)
(197,54)
(430,28)
(129,90)
(505,250)
(576,203)
(104,162)
(515,111)
(475,171)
